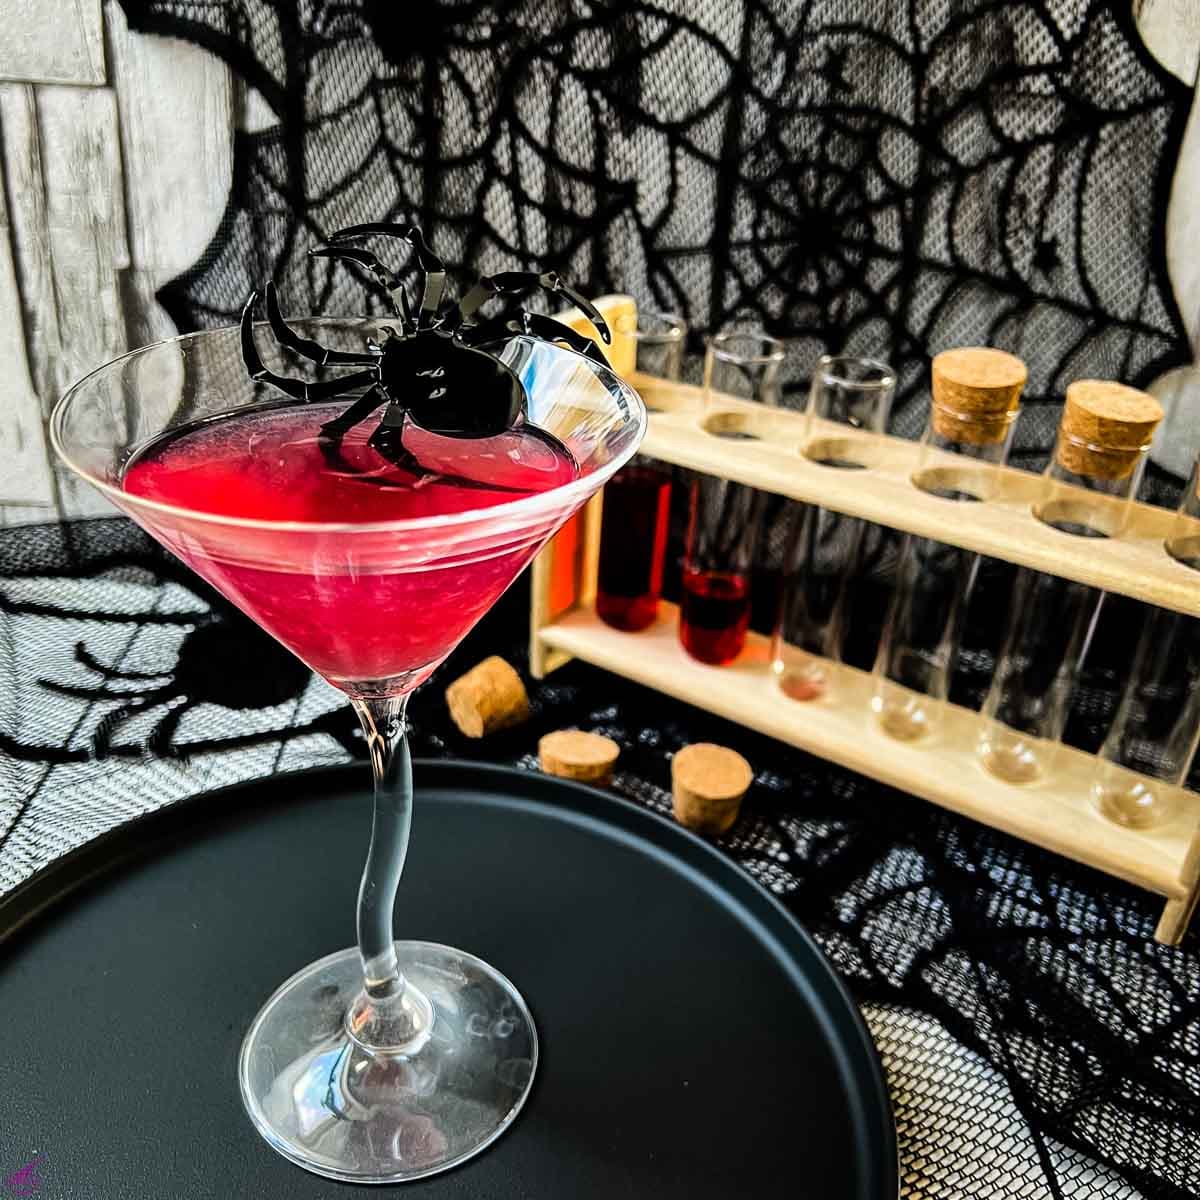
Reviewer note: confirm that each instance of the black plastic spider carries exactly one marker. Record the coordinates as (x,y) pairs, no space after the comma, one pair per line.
(434,369)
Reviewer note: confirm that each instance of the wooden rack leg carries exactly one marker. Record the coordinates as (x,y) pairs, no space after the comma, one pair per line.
(1176,914)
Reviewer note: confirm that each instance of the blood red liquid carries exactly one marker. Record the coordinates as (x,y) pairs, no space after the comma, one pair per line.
(714,614)
(633,542)
(374,610)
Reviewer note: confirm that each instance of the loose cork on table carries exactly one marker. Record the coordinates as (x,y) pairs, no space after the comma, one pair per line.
(707,784)
(575,754)
(975,391)
(489,697)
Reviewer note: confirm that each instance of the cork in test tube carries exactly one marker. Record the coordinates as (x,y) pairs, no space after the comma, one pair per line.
(1103,440)
(975,403)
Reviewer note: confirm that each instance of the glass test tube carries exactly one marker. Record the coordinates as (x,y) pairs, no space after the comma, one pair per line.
(1103,439)
(745,364)
(659,339)
(1145,758)
(1184,543)
(637,500)
(976,399)
(724,517)
(824,552)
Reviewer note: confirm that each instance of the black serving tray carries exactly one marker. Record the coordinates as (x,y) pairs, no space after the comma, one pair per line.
(695,1042)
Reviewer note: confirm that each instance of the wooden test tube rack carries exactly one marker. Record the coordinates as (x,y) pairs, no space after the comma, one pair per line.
(1055,813)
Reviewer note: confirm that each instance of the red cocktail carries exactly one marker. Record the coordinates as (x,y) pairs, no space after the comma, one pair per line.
(364,620)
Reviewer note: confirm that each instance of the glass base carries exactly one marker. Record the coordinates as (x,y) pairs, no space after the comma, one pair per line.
(1012,756)
(903,714)
(1131,802)
(338,1109)
(803,681)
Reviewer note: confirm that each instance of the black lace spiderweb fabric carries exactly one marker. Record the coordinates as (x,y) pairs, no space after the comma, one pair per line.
(1029,1025)
(883,178)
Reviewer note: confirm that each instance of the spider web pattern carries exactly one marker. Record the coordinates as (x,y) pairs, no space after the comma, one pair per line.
(882,177)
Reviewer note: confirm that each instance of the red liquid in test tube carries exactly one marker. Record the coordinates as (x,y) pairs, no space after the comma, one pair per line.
(633,541)
(714,614)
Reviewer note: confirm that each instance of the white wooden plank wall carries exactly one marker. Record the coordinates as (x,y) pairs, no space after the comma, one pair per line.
(115,151)
(57,41)
(116,155)
(24,472)
(178,161)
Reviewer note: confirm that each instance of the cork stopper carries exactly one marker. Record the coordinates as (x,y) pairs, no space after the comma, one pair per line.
(1105,427)
(574,754)
(707,784)
(975,392)
(489,697)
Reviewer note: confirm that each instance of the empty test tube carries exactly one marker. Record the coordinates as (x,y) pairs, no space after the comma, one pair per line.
(825,549)
(1153,738)
(1152,741)
(1099,456)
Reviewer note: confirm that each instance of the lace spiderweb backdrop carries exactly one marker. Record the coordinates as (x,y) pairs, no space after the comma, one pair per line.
(887,178)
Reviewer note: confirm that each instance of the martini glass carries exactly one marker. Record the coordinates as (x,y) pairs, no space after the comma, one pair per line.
(391,1060)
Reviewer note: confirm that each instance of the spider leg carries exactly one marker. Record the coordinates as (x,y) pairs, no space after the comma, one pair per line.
(89,660)
(332,432)
(517,283)
(360,410)
(319,354)
(433,288)
(388,443)
(536,325)
(298,388)
(364,258)
(387,440)
(409,233)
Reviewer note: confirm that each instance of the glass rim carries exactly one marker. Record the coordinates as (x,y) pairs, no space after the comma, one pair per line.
(532,506)
(774,355)
(676,332)
(1007,416)
(887,380)
(1103,447)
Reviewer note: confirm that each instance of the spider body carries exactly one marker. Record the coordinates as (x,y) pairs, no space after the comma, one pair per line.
(439,382)
(434,368)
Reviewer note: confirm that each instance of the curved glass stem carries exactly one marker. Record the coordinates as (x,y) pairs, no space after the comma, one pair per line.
(390,1015)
